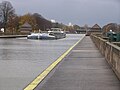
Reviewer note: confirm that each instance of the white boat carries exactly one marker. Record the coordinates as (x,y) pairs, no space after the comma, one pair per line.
(54,33)
(57,32)
(40,36)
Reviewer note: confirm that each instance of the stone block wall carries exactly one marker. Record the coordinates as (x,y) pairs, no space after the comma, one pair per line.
(110,51)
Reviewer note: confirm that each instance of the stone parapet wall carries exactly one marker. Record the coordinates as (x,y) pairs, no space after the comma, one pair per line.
(110,51)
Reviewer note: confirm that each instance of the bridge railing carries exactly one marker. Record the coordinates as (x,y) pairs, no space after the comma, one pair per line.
(110,51)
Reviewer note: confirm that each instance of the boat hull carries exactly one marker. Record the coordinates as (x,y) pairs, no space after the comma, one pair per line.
(41,36)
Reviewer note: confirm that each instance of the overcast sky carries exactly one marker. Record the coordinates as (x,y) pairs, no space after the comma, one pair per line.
(75,11)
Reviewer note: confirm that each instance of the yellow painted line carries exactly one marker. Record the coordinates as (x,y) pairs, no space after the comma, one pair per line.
(40,77)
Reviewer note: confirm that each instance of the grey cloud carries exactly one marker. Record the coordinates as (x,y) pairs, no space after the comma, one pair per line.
(75,11)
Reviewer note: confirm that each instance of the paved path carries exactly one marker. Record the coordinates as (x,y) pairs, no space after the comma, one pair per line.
(83,69)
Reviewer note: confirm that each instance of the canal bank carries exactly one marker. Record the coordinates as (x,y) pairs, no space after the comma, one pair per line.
(23,60)
(12,36)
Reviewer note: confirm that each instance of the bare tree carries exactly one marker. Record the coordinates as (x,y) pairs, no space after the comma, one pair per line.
(6,11)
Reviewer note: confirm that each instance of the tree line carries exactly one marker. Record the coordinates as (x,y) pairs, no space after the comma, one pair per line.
(11,22)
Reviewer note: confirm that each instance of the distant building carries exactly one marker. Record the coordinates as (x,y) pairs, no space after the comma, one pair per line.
(70,24)
(88,30)
(26,28)
(83,30)
(94,29)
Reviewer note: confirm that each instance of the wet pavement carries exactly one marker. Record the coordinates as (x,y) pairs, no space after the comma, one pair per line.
(83,69)
(21,60)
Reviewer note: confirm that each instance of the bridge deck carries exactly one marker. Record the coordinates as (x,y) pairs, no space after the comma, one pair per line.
(83,69)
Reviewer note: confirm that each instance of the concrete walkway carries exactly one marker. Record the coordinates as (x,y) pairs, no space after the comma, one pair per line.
(83,69)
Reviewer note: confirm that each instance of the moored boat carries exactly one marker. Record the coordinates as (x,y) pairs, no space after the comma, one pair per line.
(57,32)
(40,36)
(54,33)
